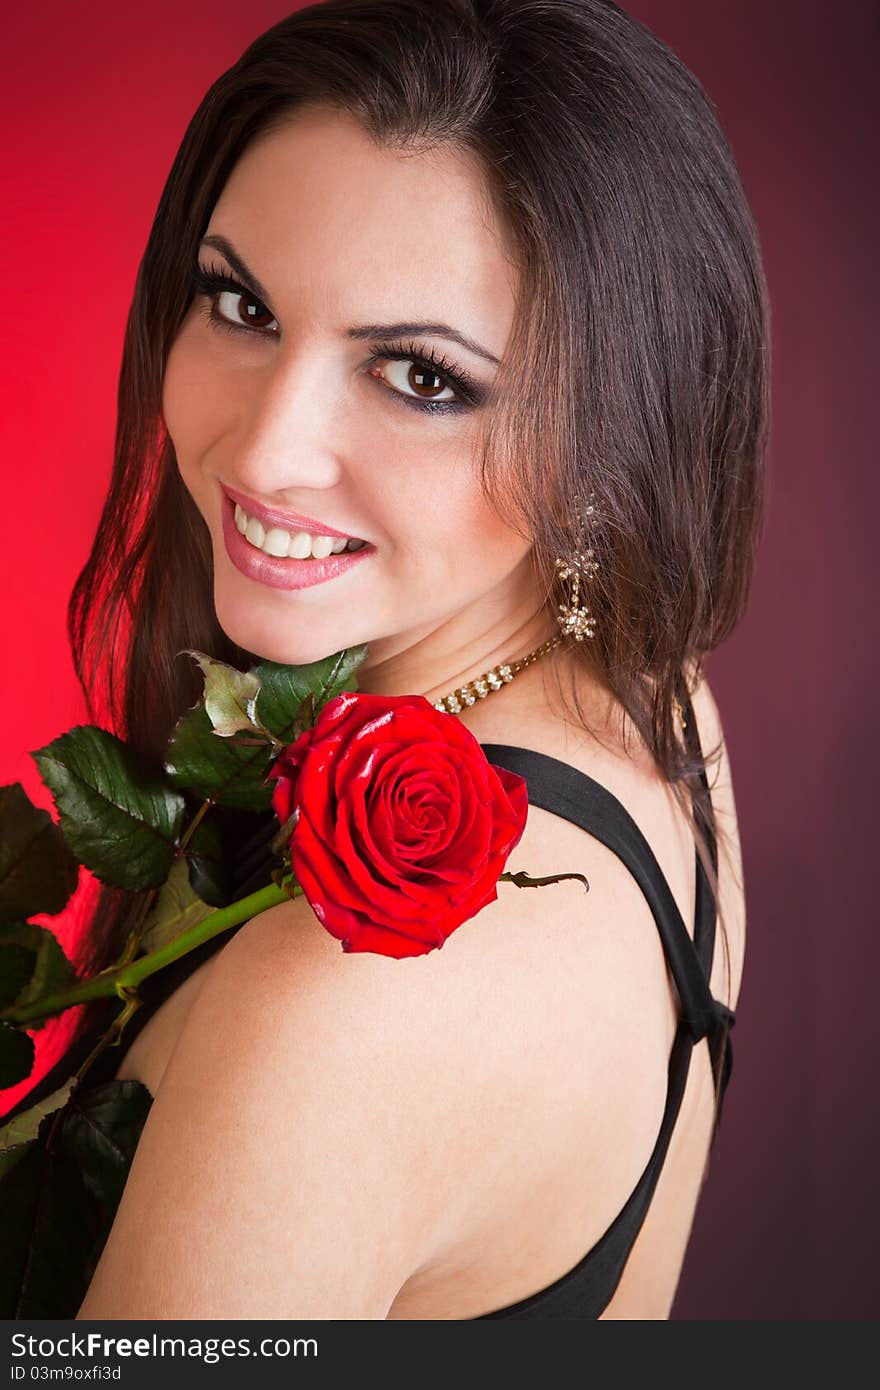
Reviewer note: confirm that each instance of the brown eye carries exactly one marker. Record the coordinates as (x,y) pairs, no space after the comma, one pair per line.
(243,309)
(424,379)
(409,375)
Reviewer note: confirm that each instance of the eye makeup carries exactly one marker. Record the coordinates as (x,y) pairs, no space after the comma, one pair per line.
(211,282)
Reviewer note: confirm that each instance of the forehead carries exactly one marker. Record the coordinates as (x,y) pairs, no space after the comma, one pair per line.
(317,208)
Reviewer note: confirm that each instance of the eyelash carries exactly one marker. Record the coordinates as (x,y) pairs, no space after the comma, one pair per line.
(211,282)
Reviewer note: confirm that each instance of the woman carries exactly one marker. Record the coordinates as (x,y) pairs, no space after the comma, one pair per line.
(468,295)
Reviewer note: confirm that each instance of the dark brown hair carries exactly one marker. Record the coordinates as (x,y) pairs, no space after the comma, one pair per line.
(638,360)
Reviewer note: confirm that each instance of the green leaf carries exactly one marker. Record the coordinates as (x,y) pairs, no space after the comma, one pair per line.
(176,908)
(225,770)
(101,1129)
(16,1055)
(16,967)
(283,689)
(118,816)
(209,873)
(60,1198)
(17,1135)
(51,1230)
(38,873)
(229,695)
(50,969)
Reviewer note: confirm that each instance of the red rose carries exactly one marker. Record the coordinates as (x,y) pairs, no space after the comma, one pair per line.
(404,825)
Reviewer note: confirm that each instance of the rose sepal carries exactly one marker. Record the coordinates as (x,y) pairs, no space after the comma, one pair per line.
(524,880)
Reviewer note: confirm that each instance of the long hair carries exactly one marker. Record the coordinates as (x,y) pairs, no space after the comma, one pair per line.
(636,370)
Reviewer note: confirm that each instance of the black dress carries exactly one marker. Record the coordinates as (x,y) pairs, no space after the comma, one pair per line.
(586,1289)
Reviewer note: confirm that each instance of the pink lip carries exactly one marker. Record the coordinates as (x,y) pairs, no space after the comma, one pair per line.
(286,573)
(286,520)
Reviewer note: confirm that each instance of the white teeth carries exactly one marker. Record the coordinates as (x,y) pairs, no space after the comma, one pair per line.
(276,542)
(254,532)
(298,546)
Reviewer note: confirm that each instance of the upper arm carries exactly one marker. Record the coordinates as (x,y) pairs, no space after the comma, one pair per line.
(292,1162)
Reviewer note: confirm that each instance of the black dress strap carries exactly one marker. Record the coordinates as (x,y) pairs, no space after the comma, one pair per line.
(720,1042)
(585,1290)
(704,814)
(558,787)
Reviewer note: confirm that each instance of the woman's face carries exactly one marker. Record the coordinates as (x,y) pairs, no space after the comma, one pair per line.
(327,393)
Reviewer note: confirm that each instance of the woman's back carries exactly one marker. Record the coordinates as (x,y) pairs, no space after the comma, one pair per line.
(578,1009)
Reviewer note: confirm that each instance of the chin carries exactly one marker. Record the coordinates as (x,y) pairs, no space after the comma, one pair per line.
(284,649)
(291,640)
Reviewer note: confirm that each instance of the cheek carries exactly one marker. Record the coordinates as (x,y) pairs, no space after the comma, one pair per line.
(499,548)
(192,400)
(452,534)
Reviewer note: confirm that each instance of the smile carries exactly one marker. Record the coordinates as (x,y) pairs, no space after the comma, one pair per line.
(298,545)
(308,559)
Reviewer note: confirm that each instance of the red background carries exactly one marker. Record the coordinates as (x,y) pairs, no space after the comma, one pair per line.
(96,100)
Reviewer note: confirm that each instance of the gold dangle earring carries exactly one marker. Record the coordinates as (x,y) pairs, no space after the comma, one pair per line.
(574,617)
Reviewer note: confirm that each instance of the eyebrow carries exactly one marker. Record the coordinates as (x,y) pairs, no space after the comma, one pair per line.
(360,332)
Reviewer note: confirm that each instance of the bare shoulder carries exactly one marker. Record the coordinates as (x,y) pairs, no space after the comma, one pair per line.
(310,1143)
(287,1165)
(606,747)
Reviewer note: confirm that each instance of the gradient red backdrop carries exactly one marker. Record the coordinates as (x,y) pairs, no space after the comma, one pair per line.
(96,99)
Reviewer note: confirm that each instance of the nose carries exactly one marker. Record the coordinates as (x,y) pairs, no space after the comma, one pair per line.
(284,443)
